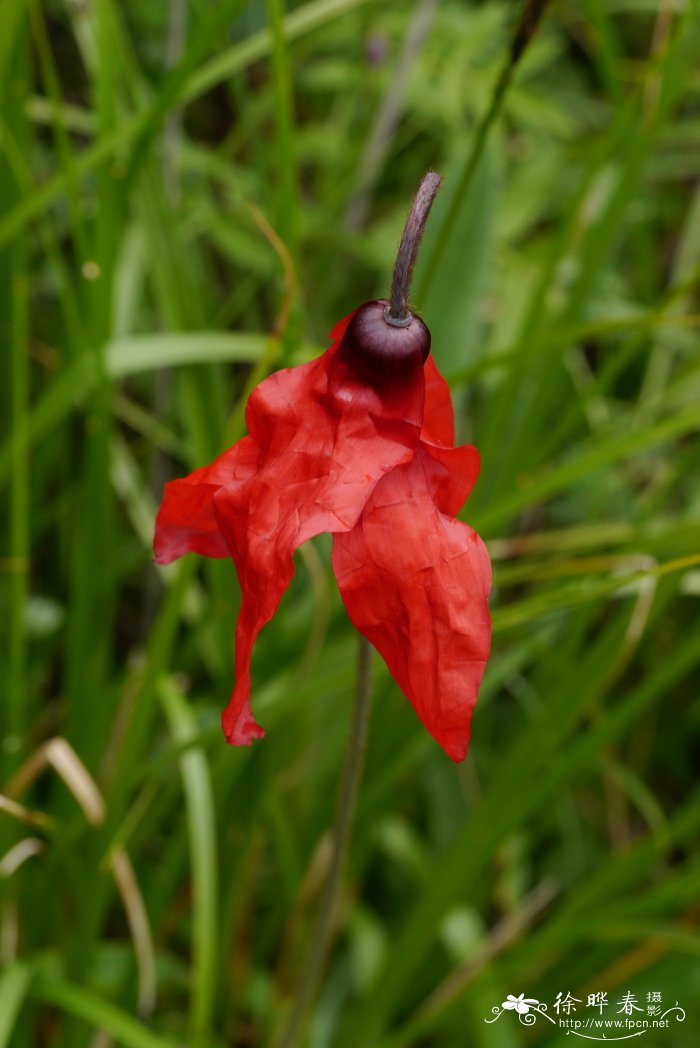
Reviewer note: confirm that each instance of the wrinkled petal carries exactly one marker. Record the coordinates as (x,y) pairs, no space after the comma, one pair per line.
(326,437)
(415,582)
(452,475)
(186,522)
(438,417)
(331,451)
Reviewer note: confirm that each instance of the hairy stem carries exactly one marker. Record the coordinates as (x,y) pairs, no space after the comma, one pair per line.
(397,312)
(347,802)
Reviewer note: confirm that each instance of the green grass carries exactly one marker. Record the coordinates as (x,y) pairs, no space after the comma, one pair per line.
(178,219)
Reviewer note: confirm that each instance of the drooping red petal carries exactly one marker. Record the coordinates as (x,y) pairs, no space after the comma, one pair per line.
(438,417)
(457,469)
(186,521)
(453,474)
(326,437)
(415,582)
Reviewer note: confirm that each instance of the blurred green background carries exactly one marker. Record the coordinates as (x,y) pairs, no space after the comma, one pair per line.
(191,195)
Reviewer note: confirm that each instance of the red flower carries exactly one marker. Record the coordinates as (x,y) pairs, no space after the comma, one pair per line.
(362,448)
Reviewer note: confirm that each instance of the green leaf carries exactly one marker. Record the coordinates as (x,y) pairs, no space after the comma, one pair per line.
(98,1013)
(15,983)
(135,353)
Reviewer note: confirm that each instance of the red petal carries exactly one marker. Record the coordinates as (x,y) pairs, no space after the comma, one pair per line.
(438,418)
(326,437)
(452,483)
(452,476)
(415,582)
(186,521)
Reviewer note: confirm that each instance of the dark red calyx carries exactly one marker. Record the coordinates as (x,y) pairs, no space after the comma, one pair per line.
(382,346)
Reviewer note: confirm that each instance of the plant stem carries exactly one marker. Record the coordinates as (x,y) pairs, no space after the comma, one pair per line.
(345,811)
(397,312)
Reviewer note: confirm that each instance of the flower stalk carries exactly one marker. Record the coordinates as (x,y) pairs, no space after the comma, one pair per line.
(359,443)
(345,812)
(397,312)
(413,578)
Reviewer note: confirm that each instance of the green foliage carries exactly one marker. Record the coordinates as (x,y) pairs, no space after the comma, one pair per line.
(192,194)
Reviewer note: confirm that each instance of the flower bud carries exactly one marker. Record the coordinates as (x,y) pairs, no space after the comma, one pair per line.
(382,349)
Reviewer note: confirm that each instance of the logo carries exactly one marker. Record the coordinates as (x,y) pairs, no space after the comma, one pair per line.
(599,1019)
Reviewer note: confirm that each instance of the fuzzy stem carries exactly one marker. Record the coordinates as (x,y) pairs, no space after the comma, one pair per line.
(347,802)
(397,312)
